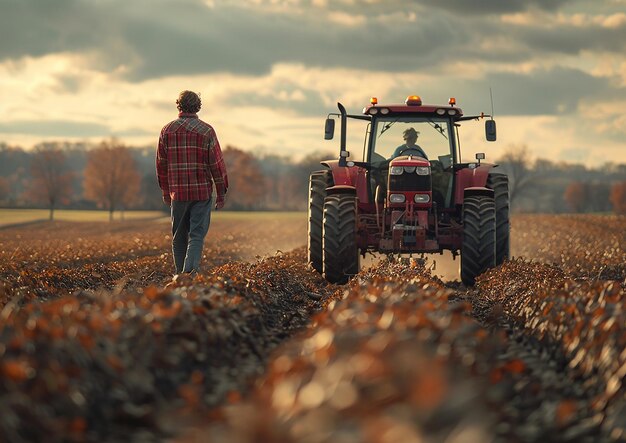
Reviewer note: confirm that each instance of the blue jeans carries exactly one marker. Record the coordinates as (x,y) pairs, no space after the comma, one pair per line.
(190,224)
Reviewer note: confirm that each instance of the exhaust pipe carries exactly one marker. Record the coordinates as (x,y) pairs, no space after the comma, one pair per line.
(343,154)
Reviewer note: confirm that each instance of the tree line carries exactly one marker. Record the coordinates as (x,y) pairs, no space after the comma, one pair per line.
(113,176)
(543,186)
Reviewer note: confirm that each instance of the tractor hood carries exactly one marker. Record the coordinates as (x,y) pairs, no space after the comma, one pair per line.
(409,161)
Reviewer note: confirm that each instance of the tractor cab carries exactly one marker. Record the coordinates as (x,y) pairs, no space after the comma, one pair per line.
(412,133)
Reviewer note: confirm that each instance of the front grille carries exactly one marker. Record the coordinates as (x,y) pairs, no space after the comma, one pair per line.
(410,182)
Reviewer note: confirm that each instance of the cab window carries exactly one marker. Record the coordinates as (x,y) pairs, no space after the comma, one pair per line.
(432,137)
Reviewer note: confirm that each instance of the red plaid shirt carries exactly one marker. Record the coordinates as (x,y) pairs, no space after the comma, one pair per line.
(189,160)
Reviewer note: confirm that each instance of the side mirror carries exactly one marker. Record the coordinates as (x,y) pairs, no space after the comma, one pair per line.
(490,130)
(329,129)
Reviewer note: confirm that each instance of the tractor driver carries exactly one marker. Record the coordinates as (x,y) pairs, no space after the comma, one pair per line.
(409,147)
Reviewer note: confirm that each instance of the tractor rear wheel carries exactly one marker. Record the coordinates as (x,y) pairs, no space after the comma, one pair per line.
(500,185)
(318,182)
(339,242)
(478,252)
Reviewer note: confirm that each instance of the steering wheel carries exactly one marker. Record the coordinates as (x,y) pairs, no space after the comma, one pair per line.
(418,151)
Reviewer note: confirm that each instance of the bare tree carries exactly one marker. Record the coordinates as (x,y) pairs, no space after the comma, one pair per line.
(112,178)
(51,182)
(518,164)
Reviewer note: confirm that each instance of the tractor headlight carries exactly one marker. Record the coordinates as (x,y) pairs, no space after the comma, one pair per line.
(423,170)
(396,170)
(421,198)
(397,198)
(409,169)
(384,111)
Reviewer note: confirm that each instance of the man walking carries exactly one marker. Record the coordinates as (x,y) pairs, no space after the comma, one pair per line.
(188,161)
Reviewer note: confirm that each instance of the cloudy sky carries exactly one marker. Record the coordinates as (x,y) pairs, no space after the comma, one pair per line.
(270,70)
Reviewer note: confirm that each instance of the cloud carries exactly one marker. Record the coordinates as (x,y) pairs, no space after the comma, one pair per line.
(494,6)
(544,91)
(35,28)
(68,83)
(539,91)
(131,132)
(286,98)
(157,38)
(55,128)
(343,18)
(160,38)
(571,38)
(251,42)
(575,154)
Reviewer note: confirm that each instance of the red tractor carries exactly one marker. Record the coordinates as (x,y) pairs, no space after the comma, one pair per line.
(416,197)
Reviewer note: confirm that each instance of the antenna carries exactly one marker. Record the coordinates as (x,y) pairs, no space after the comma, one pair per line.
(490,125)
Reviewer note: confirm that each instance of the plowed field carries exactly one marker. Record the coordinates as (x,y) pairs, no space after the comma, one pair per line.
(98,343)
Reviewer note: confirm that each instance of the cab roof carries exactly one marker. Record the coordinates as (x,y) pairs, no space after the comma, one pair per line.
(412,105)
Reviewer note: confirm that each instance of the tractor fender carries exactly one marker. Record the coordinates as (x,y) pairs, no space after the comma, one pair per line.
(467,178)
(352,178)
(341,189)
(342,175)
(478,190)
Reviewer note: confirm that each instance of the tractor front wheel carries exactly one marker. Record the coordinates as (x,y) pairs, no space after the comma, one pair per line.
(318,182)
(339,242)
(478,252)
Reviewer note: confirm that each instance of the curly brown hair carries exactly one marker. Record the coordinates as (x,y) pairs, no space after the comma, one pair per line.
(188,102)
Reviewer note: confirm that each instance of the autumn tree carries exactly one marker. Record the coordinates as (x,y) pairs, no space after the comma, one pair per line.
(587,196)
(51,180)
(5,189)
(575,196)
(246,183)
(111,176)
(618,197)
(15,170)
